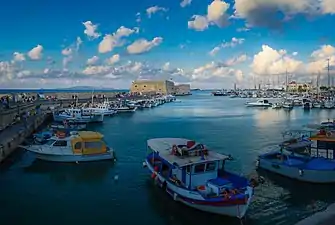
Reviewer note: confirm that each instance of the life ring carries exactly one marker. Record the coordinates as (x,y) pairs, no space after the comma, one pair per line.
(329,134)
(201,188)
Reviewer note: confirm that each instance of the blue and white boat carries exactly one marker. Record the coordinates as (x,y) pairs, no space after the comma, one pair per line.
(196,177)
(308,159)
(68,125)
(76,147)
(78,116)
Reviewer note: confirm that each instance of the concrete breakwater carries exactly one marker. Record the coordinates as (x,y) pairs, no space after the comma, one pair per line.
(13,136)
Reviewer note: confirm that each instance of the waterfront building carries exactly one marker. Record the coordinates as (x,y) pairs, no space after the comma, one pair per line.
(294,86)
(183,89)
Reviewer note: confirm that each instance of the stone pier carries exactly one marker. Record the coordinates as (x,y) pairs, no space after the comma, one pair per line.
(13,136)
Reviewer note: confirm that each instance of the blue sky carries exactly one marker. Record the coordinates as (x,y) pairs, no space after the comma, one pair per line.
(203,42)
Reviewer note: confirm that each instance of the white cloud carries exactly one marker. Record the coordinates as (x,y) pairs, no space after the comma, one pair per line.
(67,60)
(155,9)
(18,57)
(234,42)
(328,6)
(185,3)
(166,66)
(78,43)
(216,14)
(7,71)
(214,51)
(67,51)
(319,59)
(114,59)
(91,30)
(23,73)
(110,41)
(96,70)
(36,53)
(295,53)
(92,61)
(237,60)
(143,45)
(138,17)
(271,62)
(199,23)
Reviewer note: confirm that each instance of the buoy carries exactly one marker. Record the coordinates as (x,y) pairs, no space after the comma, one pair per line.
(116,177)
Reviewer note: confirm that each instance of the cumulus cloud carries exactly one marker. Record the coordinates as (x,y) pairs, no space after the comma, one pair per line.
(114,59)
(110,41)
(92,61)
(36,53)
(265,13)
(216,14)
(143,45)
(320,57)
(7,71)
(154,9)
(237,60)
(328,6)
(78,43)
(185,3)
(18,57)
(91,30)
(199,23)
(270,62)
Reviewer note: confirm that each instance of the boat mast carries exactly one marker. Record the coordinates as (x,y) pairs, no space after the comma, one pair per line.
(317,85)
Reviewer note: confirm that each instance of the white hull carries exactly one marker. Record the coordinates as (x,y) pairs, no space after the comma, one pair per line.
(258,105)
(126,109)
(74,158)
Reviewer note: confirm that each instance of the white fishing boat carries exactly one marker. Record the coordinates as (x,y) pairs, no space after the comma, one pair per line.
(277,105)
(103,108)
(259,103)
(288,105)
(329,104)
(197,177)
(126,108)
(77,147)
(78,115)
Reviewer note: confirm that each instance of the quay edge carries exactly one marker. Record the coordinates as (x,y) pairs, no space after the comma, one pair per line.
(12,137)
(326,217)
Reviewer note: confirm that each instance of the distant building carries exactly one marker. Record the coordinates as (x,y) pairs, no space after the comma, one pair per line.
(153,86)
(183,89)
(293,86)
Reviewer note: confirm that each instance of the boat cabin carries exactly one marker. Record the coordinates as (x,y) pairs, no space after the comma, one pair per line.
(187,163)
(323,144)
(82,142)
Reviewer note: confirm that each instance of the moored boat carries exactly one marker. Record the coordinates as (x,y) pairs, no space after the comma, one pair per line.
(77,147)
(259,103)
(195,176)
(304,159)
(78,116)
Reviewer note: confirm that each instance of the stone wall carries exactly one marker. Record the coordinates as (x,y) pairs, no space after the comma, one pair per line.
(7,115)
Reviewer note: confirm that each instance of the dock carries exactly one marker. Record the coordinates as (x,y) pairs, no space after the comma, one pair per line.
(326,217)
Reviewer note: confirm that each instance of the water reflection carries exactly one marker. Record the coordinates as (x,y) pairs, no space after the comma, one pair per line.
(62,173)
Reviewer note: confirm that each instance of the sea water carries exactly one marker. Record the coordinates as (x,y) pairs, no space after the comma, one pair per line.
(36,192)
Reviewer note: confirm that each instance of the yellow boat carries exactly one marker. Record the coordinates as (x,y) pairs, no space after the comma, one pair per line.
(76,147)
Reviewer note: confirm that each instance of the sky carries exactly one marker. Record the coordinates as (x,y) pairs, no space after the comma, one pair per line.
(206,43)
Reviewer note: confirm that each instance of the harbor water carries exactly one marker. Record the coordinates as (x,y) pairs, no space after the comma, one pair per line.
(34,192)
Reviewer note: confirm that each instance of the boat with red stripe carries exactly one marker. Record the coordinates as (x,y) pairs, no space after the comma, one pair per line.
(195,176)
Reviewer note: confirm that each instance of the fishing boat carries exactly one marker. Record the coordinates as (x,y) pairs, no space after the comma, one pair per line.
(76,147)
(69,124)
(126,108)
(78,116)
(103,108)
(259,103)
(277,105)
(329,104)
(288,105)
(195,176)
(308,159)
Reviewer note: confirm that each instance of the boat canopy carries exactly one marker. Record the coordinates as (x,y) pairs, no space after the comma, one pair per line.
(164,147)
(88,142)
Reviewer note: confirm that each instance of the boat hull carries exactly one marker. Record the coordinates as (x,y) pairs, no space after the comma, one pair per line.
(86,119)
(305,175)
(195,200)
(74,158)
